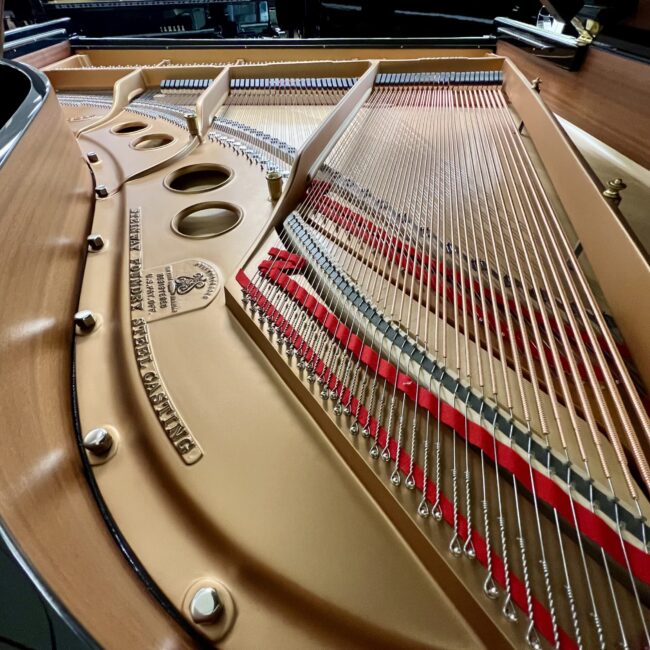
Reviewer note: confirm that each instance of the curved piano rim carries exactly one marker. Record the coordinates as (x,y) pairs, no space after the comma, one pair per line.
(10,137)
(128,553)
(124,547)
(26,530)
(27,110)
(43,588)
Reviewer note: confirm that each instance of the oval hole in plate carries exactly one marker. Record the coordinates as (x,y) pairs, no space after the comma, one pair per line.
(198,178)
(152,141)
(129,127)
(209,219)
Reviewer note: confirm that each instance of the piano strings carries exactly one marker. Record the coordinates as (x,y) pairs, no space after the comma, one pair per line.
(427,283)
(276,116)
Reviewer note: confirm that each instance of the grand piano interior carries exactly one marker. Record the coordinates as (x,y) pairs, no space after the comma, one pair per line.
(331,343)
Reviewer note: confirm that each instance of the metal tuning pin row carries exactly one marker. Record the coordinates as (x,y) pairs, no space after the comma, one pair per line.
(294,83)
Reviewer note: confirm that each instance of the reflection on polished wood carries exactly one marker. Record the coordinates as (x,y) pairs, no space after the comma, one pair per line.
(608,97)
(46,503)
(46,56)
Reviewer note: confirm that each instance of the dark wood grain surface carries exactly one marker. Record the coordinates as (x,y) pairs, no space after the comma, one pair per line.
(41,58)
(608,97)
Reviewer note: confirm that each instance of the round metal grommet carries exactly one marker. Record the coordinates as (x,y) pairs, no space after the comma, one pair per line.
(206,606)
(209,605)
(98,441)
(101,444)
(86,321)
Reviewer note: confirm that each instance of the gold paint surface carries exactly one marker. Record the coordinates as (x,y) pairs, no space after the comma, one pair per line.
(312,549)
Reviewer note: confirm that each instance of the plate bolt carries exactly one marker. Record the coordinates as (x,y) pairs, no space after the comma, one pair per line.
(95,242)
(101,191)
(98,441)
(85,321)
(206,606)
(92,157)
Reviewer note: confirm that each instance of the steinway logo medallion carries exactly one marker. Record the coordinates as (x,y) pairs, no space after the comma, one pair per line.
(183,284)
(168,290)
(178,287)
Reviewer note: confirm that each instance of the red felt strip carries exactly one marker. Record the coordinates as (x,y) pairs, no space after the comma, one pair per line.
(590,524)
(542,617)
(356,224)
(376,238)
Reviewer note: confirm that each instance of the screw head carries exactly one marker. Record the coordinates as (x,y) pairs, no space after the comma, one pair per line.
(95,242)
(614,189)
(101,191)
(85,320)
(98,441)
(92,157)
(206,606)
